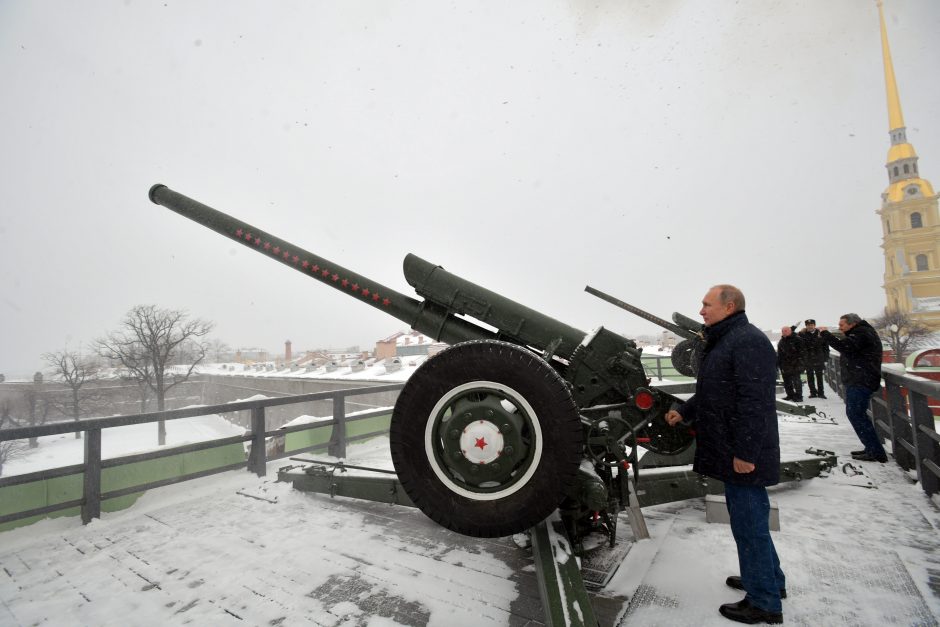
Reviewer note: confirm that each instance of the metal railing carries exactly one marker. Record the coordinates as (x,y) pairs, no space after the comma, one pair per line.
(902,414)
(92,496)
(656,368)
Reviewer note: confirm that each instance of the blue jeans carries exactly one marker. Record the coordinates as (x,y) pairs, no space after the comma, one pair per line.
(856,406)
(749,509)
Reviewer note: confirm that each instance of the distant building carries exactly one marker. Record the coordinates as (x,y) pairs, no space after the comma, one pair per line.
(909,217)
(403,344)
(250,355)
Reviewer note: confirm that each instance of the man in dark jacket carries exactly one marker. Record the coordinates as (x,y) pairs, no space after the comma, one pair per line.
(815,355)
(735,423)
(790,363)
(860,365)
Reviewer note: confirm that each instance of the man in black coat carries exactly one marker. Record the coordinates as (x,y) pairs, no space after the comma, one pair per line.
(860,365)
(735,423)
(790,363)
(815,355)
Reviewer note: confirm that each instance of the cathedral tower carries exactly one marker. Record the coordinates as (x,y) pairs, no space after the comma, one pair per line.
(909,217)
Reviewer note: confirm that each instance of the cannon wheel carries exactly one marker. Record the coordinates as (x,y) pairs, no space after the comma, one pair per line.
(687,356)
(486,438)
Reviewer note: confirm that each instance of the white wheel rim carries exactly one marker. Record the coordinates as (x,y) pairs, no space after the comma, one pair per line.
(514,397)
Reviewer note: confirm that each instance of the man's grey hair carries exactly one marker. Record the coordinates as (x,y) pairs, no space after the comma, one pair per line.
(730,294)
(851,318)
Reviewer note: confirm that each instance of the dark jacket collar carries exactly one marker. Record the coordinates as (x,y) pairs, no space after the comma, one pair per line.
(858,328)
(714,332)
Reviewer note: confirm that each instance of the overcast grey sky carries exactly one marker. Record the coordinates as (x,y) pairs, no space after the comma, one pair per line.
(647,148)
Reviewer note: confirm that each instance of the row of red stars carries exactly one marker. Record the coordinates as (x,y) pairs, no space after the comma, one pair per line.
(276,251)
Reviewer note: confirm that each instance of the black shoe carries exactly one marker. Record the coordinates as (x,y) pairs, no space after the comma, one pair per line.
(867,457)
(857,453)
(822,396)
(744,612)
(813,395)
(735,582)
(788,398)
(798,400)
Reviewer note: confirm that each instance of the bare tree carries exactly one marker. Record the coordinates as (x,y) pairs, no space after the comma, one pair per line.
(35,411)
(219,349)
(74,371)
(901,332)
(153,338)
(137,367)
(10,449)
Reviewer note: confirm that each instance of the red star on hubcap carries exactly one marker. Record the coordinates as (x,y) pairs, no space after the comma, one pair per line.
(481,443)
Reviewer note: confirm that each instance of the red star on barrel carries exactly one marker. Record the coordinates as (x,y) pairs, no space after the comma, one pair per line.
(286,254)
(305,264)
(386,302)
(335,278)
(277,250)
(344,282)
(296,258)
(365,292)
(315,268)
(248,236)
(257,241)
(267,245)
(375,297)
(325,273)
(238,233)
(481,443)
(355,287)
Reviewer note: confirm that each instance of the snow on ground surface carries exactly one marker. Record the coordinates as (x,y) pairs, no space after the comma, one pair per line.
(372,370)
(858,549)
(64,449)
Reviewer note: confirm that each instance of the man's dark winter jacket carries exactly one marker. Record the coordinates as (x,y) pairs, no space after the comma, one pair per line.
(790,354)
(815,349)
(733,408)
(861,355)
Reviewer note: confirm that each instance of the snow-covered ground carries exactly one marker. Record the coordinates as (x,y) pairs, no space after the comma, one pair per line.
(64,449)
(858,549)
(368,370)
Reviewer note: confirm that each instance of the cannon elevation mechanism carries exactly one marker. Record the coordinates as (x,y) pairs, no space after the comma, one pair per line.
(521,415)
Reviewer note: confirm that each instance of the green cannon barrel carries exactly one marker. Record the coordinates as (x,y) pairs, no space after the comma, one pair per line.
(426,317)
(516,322)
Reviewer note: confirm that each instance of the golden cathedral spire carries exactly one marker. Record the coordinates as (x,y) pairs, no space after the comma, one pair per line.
(910,216)
(895,117)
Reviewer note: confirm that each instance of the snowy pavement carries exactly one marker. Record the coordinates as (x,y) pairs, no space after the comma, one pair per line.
(858,549)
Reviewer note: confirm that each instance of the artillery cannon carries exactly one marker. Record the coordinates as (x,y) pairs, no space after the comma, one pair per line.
(491,435)
(687,355)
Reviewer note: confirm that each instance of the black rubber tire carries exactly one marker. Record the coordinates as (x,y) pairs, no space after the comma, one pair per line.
(687,356)
(559,425)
